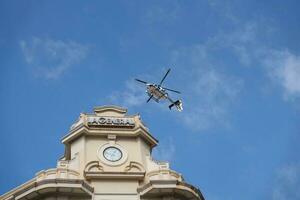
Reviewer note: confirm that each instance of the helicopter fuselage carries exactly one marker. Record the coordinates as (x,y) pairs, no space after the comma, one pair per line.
(157,92)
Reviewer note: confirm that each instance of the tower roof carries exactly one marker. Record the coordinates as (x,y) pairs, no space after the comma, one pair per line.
(111,108)
(108,120)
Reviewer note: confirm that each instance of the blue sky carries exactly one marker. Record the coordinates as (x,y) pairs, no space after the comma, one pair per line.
(237,64)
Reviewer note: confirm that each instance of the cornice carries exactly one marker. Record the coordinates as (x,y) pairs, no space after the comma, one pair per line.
(34,188)
(156,188)
(121,132)
(114,108)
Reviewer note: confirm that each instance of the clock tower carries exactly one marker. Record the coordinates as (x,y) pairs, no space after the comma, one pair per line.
(107,157)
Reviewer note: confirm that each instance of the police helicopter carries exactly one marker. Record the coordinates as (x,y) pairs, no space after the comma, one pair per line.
(157,93)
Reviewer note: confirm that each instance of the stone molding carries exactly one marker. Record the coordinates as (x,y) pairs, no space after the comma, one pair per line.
(57,173)
(133,166)
(113,108)
(93,166)
(169,188)
(54,180)
(94,170)
(34,188)
(167,183)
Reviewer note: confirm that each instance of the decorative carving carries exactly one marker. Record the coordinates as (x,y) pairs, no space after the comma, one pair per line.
(57,173)
(134,167)
(93,170)
(93,166)
(165,174)
(63,164)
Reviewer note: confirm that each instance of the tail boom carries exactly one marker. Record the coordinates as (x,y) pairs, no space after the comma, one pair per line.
(177,104)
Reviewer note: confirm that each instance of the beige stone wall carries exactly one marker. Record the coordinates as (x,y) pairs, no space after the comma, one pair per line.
(83,171)
(56,197)
(115,186)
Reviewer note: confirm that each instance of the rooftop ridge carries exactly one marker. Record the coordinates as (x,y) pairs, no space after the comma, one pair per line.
(100,109)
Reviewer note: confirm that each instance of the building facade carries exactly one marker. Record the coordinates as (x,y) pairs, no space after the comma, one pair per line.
(107,157)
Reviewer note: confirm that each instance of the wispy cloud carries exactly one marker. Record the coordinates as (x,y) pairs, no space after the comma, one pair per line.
(281,66)
(133,95)
(242,42)
(52,58)
(210,100)
(287,183)
(284,68)
(211,93)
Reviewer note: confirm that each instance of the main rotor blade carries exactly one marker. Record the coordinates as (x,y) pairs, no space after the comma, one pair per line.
(162,80)
(141,81)
(149,98)
(171,90)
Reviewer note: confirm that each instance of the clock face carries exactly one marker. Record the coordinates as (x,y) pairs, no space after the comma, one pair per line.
(112,154)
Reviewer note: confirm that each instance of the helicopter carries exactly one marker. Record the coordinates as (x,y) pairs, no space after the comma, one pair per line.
(158,93)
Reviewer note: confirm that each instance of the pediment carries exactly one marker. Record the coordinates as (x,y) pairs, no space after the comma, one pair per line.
(110,110)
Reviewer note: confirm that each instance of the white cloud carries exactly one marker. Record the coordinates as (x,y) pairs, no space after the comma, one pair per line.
(241,42)
(52,58)
(210,99)
(213,93)
(248,41)
(284,68)
(209,94)
(132,95)
(288,183)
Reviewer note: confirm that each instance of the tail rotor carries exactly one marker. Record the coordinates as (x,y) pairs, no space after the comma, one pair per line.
(178,105)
